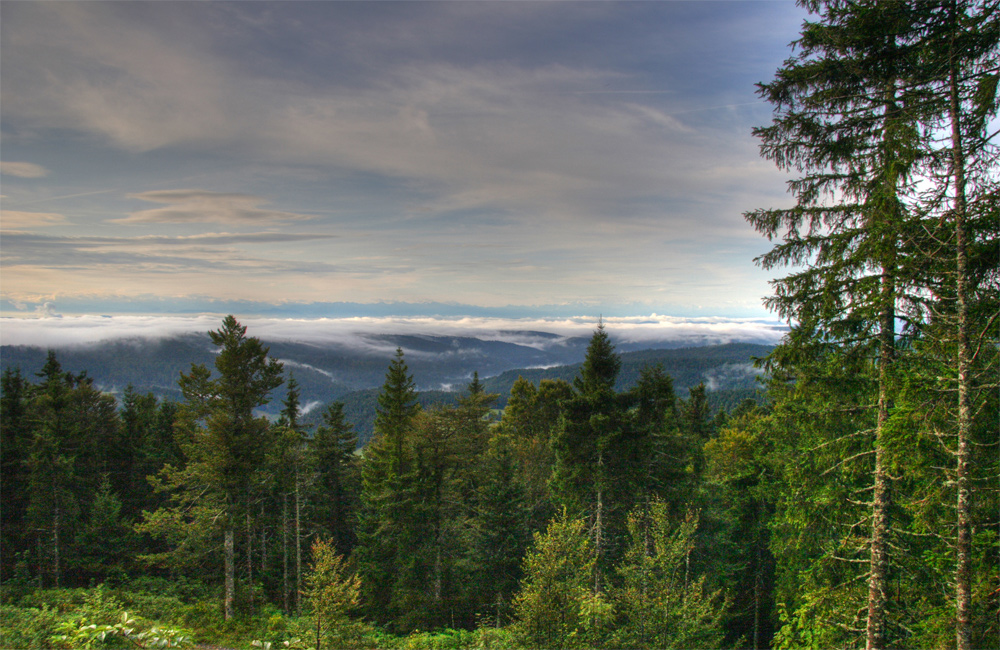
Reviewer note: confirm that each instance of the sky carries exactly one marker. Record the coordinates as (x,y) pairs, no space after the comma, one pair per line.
(517,160)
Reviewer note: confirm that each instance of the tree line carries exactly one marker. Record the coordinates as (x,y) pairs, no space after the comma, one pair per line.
(450,517)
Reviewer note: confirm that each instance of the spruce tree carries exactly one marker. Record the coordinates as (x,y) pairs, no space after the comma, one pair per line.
(845,120)
(501,533)
(225,445)
(589,447)
(960,55)
(337,477)
(386,464)
(15,443)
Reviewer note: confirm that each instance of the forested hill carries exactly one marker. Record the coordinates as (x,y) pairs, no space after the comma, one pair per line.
(324,371)
(440,365)
(349,373)
(726,370)
(720,367)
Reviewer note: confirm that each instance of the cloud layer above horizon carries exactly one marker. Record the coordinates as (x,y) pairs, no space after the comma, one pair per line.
(59,332)
(479,153)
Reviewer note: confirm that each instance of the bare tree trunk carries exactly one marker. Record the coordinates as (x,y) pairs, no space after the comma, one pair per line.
(284,548)
(40,557)
(599,524)
(756,598)
(882,497)
(263,541)
(55,541)
(438,574)
(298,546)
(230,568)
(963,546)
(250,559)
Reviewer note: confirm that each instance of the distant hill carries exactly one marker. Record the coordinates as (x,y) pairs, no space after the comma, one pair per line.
(726,370)
(720,367)
(442,366)
(324,371)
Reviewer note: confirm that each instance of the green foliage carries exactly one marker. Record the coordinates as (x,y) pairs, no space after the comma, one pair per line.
(329,592)
(27,628)
(660,605)
(556,607)
(600,367)
(338,478)
(82,634)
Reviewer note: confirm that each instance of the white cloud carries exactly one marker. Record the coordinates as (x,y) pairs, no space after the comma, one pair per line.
(356,333)
(19,220)
(22,169)
(202,206)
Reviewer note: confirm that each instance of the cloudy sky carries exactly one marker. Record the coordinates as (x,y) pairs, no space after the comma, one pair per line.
(489,159)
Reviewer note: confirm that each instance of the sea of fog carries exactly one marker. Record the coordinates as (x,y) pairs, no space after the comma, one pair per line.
(59,332)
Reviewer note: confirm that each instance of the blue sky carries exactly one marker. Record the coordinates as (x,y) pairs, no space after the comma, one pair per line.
(492,159)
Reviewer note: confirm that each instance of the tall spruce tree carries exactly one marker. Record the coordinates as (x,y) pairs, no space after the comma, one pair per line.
(589,448)
(337,478)
(845,119)
(961,54)
(15,444)
(225,444)
(387,461)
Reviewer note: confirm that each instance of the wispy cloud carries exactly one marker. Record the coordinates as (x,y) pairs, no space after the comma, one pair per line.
(22,169)
(201,206)
(19,220)
(477,153)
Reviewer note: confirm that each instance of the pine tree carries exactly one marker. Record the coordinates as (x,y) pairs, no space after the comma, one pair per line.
(54,504)
(15,443)
(295,472)
(961,51)
(532,418)
(600,366)
(501,533)
(739,470)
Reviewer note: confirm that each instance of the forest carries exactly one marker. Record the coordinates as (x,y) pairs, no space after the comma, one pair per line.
(857,506)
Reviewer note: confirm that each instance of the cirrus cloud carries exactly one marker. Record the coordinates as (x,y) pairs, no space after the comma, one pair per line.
(203,206)
(22,169)
(18,220)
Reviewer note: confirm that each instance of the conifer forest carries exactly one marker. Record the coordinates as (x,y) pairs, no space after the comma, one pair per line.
(856,504)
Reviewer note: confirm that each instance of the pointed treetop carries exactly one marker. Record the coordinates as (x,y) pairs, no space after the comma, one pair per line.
(292,405)
(601,366)
(397,402)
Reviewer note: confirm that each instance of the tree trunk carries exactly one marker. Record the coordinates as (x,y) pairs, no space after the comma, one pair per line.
(298,547)
(263,541)
(882,497)
(250,559)
(230,569)
(757,578)
(55,541)
(284,549)
(599,524)
(963,545)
